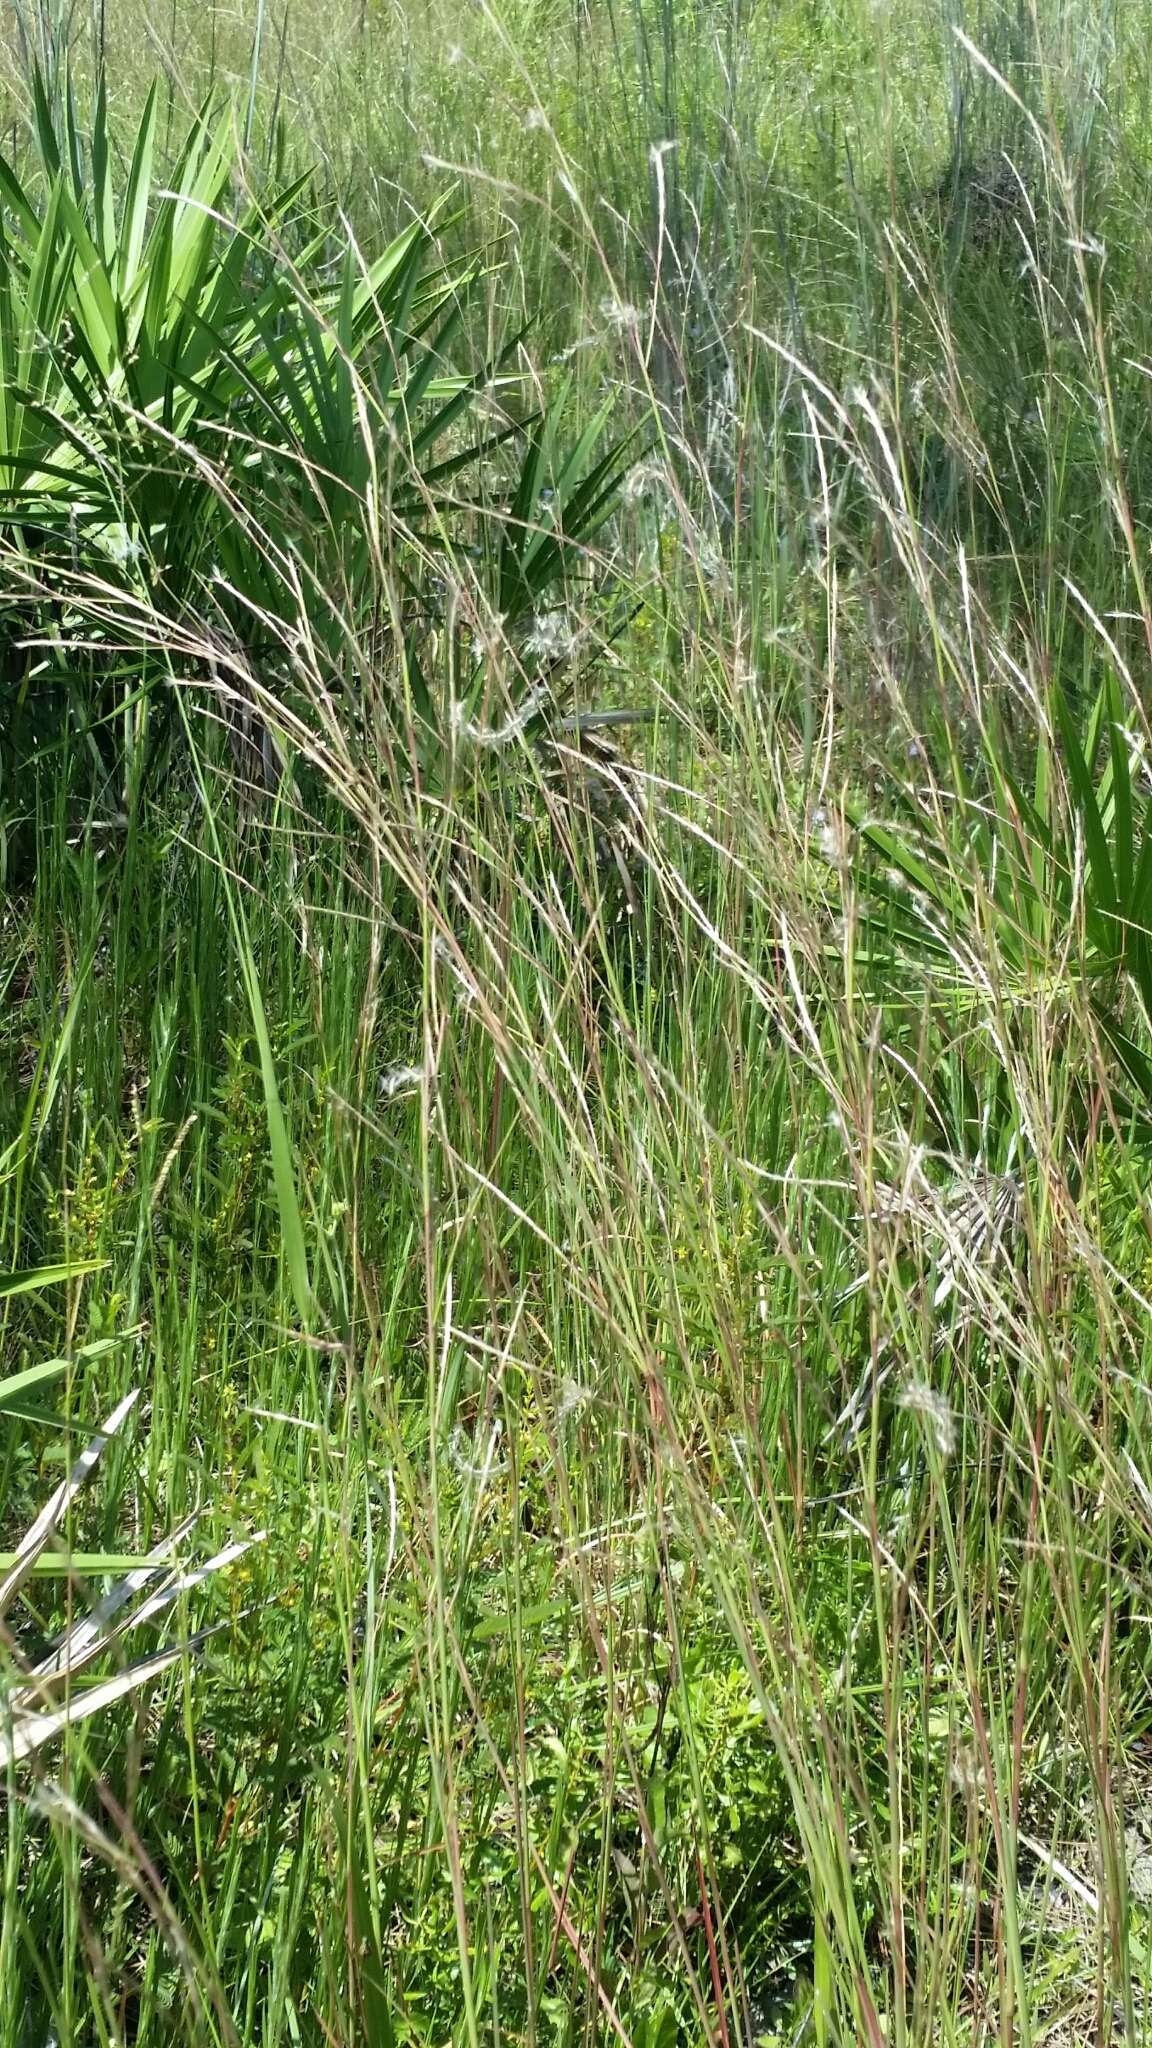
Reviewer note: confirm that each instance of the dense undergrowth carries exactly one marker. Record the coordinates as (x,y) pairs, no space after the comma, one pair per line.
(576,847)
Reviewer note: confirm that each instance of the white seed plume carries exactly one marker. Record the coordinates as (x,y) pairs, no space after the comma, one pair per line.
(616,313)
(573,1397)
(475,1471)
(504,735)
(967,1771)
(644,480)
(398,1080)
(924,1400)
(552,638)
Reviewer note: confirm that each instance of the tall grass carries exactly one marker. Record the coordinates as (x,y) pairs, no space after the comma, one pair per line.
(654,1236)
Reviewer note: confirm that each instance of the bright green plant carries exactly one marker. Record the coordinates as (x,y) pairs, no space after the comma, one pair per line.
(1057,869)
(201,434)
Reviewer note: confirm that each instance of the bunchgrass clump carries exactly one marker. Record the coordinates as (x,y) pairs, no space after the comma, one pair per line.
(576,1028)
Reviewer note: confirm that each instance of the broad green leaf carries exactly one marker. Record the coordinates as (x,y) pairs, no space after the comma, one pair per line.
(94,302)
(1077,762)
(13,195)
(66,1564)
(17,1385)
(137,195)
(103,198)
(45,125)
(31,1281)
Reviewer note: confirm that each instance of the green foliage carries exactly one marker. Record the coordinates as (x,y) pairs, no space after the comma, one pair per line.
(205,439)
(658,1245)
(1060,869)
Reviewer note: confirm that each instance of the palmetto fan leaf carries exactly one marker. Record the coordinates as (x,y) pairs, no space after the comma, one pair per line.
(1028,866)
(213,403)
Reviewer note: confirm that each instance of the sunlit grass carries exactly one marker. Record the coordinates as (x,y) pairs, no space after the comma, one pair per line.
(646,1217)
